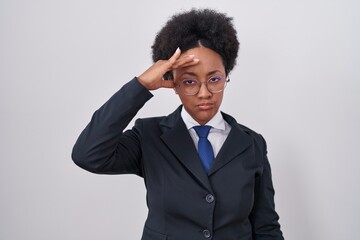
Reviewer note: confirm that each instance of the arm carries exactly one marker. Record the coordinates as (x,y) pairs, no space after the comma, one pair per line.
(103,147)
(263,217)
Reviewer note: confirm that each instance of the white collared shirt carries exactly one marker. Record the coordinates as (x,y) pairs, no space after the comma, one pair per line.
(218,133)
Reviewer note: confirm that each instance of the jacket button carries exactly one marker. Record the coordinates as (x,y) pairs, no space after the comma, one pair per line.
(209,198)
(206,233)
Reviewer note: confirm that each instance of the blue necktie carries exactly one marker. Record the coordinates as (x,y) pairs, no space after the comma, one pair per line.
(205,149)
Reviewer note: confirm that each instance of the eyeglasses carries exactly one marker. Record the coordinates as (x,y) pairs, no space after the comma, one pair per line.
(215,84)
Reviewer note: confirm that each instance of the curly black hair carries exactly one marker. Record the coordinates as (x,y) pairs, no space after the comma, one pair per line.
(196,27)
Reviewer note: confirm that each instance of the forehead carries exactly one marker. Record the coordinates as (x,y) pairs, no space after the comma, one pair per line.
(210,62)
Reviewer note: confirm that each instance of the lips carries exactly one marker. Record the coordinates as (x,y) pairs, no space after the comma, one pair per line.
(205,106)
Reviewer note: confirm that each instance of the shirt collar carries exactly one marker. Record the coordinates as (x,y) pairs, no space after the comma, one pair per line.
(216,122)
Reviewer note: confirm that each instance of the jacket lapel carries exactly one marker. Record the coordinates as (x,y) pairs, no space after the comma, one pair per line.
(236,143)
(177,138)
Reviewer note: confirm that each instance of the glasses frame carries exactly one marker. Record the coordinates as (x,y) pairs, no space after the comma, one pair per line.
(227,79)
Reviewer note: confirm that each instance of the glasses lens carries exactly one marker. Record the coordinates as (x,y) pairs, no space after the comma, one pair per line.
(216,84)
(191,86)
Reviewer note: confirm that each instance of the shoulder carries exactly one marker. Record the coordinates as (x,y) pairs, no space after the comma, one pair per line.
(168,121)
(148,121)
(254,135)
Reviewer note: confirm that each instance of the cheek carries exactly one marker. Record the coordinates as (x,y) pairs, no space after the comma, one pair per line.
(185,100)
(219,98)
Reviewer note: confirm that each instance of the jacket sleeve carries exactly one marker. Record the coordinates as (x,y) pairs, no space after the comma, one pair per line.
(103,147)
(263,217)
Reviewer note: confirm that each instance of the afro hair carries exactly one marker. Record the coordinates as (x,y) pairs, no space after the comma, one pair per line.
(193,28)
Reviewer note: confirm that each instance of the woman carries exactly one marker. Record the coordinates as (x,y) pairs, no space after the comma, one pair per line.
(206,175)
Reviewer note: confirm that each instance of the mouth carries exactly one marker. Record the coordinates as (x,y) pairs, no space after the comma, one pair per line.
(205,106)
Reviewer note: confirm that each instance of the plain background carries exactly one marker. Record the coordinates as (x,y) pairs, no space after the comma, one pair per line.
(296,83)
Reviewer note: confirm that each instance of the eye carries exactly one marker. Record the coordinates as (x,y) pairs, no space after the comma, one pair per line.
(189,82)
(214,79)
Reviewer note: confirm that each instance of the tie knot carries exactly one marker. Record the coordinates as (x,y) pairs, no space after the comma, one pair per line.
(202,131)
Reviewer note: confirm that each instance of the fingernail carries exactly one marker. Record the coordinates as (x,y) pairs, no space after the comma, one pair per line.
(177,50)
(196,59)
(191,56)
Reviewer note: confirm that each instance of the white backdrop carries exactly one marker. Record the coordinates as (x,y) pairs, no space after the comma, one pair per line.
(296,82)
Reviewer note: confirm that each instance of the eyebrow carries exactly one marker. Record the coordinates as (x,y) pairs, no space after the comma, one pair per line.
(208,74)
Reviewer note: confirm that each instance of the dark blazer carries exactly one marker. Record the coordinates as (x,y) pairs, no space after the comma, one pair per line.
(234,201)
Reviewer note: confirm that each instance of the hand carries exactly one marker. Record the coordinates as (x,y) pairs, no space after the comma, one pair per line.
(152,78)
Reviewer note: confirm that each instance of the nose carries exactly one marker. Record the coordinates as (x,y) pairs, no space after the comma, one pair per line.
(203,91)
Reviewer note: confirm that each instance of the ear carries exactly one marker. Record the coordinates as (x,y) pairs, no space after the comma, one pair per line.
(175,90)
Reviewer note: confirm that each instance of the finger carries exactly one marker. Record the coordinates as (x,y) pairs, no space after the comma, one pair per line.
(166,65)
(185,63)
(175,56)
(184,59)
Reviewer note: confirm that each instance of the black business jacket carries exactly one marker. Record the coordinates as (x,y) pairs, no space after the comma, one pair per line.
(234,201)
